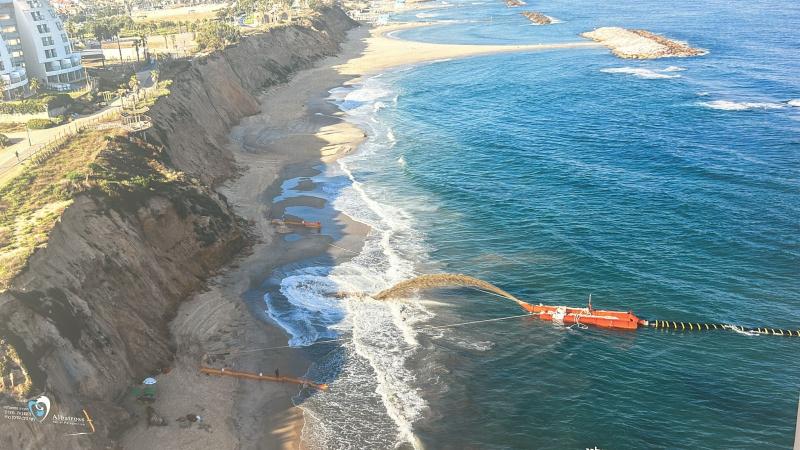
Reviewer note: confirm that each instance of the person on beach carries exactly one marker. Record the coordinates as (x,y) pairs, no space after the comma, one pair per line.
(16,152)
(277,373)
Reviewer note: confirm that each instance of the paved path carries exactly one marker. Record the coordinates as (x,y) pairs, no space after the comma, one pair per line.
(8,155)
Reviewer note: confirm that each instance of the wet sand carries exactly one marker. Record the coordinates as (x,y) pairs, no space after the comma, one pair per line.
(297,129)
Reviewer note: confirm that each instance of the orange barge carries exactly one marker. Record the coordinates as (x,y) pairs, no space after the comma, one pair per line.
(586,316)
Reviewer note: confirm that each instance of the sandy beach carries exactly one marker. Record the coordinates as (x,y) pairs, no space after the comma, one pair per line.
(383,51)
(298,128)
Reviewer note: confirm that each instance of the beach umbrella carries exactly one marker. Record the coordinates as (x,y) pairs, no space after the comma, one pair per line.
(149,381)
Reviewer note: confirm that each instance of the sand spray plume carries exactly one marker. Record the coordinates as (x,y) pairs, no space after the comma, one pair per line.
(439,280)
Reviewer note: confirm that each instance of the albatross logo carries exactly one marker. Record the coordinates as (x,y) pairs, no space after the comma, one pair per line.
(39,407)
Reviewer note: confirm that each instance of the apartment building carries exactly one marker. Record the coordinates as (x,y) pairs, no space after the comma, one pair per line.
(46,48)
(12,64)
(33,44)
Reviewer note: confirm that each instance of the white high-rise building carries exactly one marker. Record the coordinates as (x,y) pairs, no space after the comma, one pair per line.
(12,64)
(46,47)
(33,44)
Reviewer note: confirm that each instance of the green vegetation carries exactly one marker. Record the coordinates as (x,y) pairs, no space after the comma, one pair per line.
(162,89)
(216,35)
(31,203)
(4,140)
(41,124)
(106,28)
(36,104)
(106,163)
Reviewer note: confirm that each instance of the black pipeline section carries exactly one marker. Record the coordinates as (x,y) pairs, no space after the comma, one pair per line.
(690,326)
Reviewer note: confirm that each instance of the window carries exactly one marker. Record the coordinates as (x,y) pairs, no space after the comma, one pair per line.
(59,26)
(43,28)
(51,53)
(2,66)
(67,50)
(47,40)
(37,16)
(34,4)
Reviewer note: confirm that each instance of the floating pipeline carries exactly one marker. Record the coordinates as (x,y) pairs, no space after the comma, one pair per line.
(587,316)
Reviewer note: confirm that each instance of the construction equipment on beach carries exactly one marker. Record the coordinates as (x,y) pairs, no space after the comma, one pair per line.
(261,377)
(297,223)
(565,315)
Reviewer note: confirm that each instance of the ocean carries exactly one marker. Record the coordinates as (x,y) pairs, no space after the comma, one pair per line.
(669,187)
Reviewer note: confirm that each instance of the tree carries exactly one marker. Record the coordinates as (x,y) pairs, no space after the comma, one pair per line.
(133,83)
(143,40)
(136,46)
(216,35)
(34,84)
(3,85)
(154,76)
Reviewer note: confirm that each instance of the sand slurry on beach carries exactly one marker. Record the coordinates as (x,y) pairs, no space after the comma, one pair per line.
(640,44)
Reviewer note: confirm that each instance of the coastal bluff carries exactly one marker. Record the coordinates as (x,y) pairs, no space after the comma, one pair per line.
(640,44)
(89,315)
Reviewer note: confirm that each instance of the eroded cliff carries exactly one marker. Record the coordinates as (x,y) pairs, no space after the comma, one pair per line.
(89,315)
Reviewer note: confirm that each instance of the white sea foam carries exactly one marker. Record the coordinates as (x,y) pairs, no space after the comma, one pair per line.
(794,102)
(726,105)
(673,69)
(640,72)
(373,390)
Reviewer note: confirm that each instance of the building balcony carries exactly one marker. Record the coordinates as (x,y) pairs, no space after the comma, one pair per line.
(15,79)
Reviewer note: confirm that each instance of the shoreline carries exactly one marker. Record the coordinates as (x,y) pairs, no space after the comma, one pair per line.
(297,129)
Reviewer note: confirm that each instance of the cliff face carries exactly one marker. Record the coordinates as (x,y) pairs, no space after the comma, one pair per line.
(210,95)
(89,316)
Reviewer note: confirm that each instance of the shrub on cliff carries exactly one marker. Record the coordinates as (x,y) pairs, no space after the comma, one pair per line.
(216,35)
(4,140)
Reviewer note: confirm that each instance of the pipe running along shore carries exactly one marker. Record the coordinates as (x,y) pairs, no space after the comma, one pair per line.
(588,316)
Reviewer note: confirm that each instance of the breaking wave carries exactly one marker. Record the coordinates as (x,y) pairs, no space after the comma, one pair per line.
(648,74)
(726,105)
(374,388)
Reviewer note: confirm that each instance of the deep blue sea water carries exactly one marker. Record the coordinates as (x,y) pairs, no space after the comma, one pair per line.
(668,187)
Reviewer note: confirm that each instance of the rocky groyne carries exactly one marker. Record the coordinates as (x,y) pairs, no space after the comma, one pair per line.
(537,18)
(640,44)
(514,3)
(88,317)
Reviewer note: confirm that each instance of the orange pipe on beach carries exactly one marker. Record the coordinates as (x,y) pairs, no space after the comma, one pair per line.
(256,376)
(303,223)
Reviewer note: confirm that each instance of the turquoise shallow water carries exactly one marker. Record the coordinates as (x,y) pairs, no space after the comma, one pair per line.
(668,187)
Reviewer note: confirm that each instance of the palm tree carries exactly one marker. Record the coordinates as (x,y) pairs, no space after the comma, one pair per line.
(34,84)
(136,45)
(134,83)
